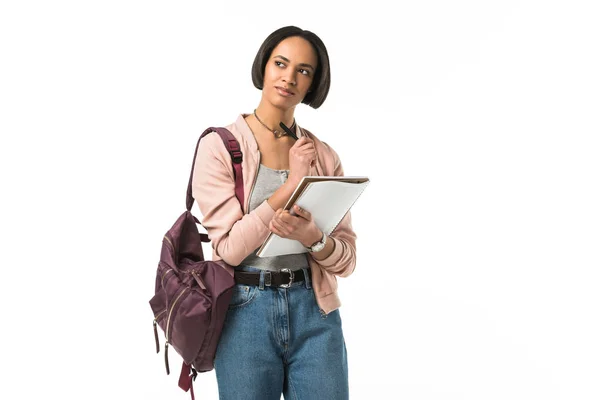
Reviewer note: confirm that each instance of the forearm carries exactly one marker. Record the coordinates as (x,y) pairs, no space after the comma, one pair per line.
(282,195)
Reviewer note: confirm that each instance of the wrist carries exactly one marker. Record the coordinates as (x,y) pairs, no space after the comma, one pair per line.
(313,238)
(292,182)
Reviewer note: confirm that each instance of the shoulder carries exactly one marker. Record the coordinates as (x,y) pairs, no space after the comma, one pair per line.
(212,156)
(212,143)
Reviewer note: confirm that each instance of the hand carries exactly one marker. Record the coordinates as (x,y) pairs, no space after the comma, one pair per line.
(302,157)
(300,227)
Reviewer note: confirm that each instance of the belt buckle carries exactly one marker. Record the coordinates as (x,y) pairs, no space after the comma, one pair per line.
(287,285)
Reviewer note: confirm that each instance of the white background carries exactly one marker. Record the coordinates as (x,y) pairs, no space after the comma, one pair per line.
(478,238)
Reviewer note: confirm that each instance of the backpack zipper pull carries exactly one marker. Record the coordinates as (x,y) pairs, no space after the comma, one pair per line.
(199,280)
(156,336)
(167,357)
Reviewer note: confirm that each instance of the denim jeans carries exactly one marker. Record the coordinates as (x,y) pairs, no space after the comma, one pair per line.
(275,340)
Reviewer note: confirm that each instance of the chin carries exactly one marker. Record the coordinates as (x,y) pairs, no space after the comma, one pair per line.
(283,103)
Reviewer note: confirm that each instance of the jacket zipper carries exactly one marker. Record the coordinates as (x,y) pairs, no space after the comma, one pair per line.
(253,183)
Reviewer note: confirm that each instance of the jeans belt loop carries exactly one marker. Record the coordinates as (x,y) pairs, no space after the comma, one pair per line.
(307,278)
(267,278)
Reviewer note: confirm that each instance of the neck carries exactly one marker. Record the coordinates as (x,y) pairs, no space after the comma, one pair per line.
(272,116)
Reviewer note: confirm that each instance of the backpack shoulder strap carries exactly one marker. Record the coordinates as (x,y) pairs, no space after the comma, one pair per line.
(233,147)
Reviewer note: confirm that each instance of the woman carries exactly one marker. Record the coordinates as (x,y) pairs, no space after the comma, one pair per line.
(283,331)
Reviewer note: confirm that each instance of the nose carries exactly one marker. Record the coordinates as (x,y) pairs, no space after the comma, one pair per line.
(290,78)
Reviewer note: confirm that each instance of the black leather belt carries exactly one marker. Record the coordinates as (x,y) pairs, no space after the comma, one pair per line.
(284,278)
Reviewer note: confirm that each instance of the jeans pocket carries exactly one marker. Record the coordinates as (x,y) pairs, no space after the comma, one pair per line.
(242,295)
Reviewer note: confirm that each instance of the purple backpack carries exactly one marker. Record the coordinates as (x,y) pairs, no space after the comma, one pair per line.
(192,295)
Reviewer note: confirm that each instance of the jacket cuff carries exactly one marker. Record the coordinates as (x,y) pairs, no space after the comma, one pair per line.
(335,255)
(265,213)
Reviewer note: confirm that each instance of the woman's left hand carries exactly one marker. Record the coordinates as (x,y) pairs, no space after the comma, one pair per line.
(300,227)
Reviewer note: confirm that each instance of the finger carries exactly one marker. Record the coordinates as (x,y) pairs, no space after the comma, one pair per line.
(306,146)
(307,152)
(275,231)
(272,227)
(301,141)
(275,227)
(307,157)
(302,212)
(276,216)
(278,213)
(288,220)
(280,227)
(286,217)
(276,220)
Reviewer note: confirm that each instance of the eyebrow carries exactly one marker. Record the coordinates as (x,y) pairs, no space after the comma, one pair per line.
(301,64)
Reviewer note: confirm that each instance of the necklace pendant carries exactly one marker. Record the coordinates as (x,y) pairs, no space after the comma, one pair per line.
(278,134)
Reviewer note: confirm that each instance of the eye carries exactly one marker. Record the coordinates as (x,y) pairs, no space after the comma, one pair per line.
(279,64)
(304,71)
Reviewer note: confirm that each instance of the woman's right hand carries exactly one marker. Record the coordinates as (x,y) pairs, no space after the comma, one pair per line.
(302,156)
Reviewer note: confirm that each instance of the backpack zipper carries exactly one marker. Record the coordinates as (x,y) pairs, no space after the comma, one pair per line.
(162,280)
(168,240)
(171,311)
(167,330)
(199,280)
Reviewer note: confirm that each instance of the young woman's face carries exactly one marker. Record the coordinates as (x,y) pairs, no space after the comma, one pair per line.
(289,72)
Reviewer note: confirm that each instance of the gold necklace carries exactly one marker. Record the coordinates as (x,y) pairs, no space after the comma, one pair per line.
(276,132)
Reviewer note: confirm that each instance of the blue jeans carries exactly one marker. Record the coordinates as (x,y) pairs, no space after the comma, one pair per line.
(276,340)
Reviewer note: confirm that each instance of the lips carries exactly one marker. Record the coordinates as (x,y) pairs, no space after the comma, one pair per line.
(283,91)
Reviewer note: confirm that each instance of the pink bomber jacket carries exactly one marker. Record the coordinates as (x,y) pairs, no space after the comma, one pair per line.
(235,235)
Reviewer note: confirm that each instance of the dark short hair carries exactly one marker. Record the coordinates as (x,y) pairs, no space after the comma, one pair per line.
(322,78)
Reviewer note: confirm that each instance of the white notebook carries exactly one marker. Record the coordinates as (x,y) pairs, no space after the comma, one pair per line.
(327,198)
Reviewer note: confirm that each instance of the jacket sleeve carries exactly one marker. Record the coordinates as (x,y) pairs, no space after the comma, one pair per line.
(233,234)
(342,260)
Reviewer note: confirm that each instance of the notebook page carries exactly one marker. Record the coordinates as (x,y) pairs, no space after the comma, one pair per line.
(328,202)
